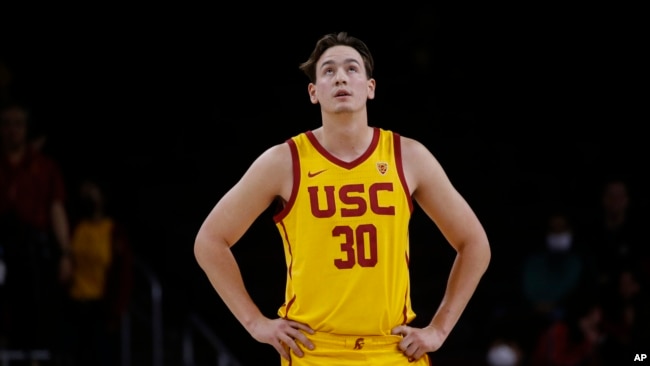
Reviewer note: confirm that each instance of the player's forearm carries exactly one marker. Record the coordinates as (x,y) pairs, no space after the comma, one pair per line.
(465,275)
(220,266)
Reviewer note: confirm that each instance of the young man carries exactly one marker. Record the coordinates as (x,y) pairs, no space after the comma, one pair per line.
(34,235)
(346,191)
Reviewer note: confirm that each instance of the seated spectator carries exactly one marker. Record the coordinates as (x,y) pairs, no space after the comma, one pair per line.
(555,269)
(615,233)
(575,338)
(627,315)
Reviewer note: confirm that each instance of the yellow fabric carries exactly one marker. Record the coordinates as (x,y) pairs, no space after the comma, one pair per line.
(345,235)
(353,351)
(92,255)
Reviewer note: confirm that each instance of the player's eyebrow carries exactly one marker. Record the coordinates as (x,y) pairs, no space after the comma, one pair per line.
(346,61)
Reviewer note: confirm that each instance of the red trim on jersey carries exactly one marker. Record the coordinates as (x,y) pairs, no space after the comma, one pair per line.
(397,143)
(295,167)
(339,162)
(293,299)
(286,239)
(406,295)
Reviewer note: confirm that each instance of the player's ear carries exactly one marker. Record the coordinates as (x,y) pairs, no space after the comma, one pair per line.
(371,88)
(311,89)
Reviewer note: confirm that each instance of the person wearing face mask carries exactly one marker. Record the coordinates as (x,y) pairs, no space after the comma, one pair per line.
(553,271)
(559,242)
(504,352)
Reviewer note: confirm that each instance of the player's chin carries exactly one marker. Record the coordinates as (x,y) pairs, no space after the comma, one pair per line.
(343,108)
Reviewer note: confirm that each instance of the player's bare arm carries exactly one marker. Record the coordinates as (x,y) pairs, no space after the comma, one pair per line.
(439,199)
(268,177)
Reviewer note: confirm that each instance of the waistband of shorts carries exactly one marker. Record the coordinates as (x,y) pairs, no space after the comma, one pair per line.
(354,341)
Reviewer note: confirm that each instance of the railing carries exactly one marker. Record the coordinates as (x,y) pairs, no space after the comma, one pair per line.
(8,355)
(195,325)
(157,347)
(157,329)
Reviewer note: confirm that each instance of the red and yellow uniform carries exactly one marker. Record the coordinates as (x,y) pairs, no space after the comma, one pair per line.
(346,243)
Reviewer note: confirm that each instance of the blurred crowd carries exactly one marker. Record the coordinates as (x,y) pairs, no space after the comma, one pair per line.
(65,261)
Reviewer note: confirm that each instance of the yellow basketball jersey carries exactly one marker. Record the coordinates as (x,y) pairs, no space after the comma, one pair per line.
(346,239)
(92,246)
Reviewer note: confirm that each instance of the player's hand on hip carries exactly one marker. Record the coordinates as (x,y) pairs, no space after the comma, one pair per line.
(418,341)
(283,335)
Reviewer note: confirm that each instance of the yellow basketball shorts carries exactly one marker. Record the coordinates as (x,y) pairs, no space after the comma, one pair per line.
(338,350)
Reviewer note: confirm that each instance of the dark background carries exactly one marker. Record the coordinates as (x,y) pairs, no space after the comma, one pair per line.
(526,106)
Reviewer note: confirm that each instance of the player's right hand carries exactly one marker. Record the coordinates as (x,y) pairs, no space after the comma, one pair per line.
(284,335)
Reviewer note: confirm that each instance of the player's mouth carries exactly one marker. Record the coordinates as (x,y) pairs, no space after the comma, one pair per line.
(342,93)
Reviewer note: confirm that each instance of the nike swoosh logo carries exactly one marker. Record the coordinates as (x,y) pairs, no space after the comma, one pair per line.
(311,175)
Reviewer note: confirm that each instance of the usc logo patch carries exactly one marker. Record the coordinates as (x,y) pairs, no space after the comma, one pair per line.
(382,167)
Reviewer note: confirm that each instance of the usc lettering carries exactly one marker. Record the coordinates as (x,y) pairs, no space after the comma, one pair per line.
(351,199)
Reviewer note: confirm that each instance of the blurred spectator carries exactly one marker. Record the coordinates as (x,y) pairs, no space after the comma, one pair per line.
(101,282)
(627,316)
(555,270)
(34,236)
(575,338)
(615,233)
(504,352)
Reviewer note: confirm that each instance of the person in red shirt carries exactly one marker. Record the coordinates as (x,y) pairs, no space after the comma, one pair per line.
(34,235)
(575,338)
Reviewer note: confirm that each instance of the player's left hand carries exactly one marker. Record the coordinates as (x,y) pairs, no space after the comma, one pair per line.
(417,342)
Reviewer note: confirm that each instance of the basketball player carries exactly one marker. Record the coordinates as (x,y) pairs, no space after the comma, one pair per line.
(347,191)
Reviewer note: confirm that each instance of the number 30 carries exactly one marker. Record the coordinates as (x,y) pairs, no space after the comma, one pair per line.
(358,237)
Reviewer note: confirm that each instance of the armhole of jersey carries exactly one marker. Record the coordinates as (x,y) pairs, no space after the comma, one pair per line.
(295,168)
(397,145)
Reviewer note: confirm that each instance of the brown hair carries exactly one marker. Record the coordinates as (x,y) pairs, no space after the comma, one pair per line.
(337,39)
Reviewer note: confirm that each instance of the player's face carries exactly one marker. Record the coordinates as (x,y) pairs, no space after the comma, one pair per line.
(341,81)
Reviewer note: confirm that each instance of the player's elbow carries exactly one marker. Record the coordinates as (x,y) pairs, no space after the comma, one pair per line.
(202,247)
(482,253)
(208,245)
(477,250)
(486,255)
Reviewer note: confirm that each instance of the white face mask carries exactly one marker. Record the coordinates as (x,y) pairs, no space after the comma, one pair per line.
(559,242)
(502,355)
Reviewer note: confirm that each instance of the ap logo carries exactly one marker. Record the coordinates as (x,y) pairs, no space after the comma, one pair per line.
(640,357)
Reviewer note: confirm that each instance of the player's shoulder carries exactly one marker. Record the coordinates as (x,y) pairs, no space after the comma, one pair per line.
(278,153)
(411,146)
(275,159)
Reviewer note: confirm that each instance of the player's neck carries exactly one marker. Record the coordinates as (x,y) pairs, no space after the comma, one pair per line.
(349,124)
(347,140)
